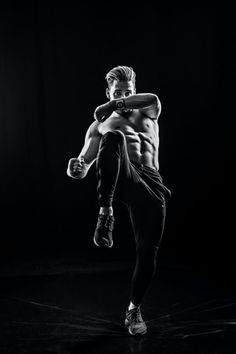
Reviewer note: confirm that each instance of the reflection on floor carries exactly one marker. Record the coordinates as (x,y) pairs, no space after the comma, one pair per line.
(186,310)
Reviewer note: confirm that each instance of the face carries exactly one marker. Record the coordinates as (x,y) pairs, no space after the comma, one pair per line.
(120,89)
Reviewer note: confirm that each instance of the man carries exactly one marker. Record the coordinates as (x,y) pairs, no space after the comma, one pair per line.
(124,141)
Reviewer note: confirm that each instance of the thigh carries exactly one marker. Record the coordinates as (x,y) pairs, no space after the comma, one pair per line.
(148,216)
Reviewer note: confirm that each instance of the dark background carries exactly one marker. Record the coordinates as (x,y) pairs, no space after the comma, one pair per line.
(53,65)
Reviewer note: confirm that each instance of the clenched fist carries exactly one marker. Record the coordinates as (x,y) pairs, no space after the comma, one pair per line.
(77,168)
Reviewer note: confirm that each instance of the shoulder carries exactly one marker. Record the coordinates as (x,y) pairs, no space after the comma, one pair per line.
(93,129)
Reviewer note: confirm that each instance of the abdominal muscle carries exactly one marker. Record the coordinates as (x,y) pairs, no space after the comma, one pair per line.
(142,151)
(142,147)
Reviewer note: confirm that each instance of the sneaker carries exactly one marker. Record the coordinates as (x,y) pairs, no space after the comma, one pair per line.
(134,322)
(103,232)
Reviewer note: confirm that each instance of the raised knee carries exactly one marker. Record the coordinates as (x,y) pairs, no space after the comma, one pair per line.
(119,133)
(116,134)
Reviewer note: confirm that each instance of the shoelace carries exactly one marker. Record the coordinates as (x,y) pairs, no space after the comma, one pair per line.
(135,315)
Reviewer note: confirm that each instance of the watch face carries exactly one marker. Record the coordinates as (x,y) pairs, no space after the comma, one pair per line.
(120,104)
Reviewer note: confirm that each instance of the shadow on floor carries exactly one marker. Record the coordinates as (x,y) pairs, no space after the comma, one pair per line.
(186,311)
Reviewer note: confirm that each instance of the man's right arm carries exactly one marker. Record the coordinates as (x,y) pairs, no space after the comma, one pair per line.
(78,167)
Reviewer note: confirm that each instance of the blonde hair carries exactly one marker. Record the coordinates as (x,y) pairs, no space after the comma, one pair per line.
(120,73)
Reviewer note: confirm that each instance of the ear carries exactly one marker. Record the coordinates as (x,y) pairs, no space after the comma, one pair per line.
(108,93)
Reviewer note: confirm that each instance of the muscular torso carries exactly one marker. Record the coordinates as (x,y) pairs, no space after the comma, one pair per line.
(141,133)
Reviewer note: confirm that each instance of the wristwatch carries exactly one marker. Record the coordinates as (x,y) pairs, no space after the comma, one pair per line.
(120,104)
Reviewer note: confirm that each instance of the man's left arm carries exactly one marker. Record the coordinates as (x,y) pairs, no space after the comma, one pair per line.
(147,103)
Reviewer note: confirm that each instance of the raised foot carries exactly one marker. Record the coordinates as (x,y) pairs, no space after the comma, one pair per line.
(134,322)
(103,232)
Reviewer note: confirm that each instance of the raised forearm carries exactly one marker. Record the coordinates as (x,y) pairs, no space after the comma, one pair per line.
(137,101)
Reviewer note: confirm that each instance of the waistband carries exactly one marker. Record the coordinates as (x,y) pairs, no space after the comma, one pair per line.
(142,166)
(153,173)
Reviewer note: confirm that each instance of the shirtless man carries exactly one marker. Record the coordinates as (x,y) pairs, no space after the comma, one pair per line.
(124,141)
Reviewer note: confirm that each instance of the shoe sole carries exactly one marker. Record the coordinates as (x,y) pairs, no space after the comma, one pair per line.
(137,333)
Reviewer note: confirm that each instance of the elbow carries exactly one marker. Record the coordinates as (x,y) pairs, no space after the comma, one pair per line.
(156,103)
(154,100)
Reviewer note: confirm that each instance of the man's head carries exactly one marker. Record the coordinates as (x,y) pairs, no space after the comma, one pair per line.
(121,82)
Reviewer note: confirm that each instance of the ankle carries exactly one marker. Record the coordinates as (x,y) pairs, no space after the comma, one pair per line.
(106,211)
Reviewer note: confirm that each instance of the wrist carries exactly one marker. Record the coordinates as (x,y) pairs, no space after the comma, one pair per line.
(83,161)
(120,104)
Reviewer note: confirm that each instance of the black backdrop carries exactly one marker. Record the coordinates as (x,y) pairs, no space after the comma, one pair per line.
(53,63)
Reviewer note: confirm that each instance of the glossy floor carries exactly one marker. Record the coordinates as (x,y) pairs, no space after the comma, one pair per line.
(74,310)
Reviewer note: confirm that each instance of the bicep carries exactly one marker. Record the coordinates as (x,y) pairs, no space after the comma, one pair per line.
(91,144)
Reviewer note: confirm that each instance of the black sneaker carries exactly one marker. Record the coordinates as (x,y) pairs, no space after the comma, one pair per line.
(103,232)
(134,322)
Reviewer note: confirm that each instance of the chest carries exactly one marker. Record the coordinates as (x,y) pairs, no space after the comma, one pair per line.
(135,122)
